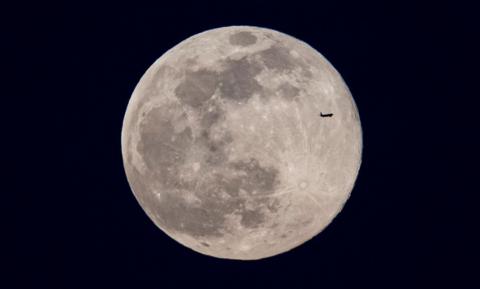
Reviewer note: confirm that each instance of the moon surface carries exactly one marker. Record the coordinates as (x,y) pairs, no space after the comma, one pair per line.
(225,149)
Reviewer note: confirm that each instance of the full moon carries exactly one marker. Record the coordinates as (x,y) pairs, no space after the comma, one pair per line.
(241,142)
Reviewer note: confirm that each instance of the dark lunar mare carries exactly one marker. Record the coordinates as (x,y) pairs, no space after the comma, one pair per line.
(242,38)
(237,82)
(164,153)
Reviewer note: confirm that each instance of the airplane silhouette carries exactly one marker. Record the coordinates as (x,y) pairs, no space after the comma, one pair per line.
(326,114)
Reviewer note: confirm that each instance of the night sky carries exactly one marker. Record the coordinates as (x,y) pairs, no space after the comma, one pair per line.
(76,223)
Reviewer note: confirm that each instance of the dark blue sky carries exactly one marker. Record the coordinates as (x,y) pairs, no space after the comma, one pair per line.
(76,223)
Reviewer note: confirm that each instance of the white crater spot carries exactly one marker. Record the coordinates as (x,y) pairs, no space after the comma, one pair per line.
(303,185)
(196,167)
